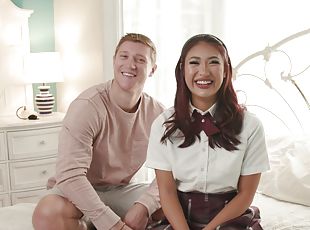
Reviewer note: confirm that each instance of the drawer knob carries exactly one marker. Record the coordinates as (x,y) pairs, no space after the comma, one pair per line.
(44,172)
(42,142)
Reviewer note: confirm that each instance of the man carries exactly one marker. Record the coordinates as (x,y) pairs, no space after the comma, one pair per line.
(102,145)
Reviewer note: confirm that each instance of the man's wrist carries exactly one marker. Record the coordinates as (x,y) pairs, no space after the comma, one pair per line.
(119,225)
(122,226)
(142,207)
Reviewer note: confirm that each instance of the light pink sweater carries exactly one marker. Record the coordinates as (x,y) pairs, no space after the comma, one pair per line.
(100,144)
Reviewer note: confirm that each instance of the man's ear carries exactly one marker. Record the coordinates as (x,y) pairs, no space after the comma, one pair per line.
(153,70)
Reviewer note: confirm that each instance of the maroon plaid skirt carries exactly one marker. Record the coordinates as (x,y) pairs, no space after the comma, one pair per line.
(199,209)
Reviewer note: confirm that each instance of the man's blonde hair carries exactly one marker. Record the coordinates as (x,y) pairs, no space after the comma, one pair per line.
(134,37)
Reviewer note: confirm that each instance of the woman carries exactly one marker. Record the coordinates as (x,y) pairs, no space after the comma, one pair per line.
(208,152)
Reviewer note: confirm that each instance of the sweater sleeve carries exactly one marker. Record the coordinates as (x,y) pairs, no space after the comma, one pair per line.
(74,158)
(150,199)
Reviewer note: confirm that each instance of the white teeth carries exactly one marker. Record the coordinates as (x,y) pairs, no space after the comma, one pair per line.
(203,82)
(128,74)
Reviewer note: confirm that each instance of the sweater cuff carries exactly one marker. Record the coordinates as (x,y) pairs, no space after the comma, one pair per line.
(106,220)
(150,202)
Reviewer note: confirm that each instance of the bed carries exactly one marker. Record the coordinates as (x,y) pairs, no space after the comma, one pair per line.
(276,215)
(274,84)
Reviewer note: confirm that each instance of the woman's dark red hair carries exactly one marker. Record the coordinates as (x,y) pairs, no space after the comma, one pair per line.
(228,114)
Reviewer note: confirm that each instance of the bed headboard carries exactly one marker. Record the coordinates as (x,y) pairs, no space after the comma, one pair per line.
(274,84)
(14,44)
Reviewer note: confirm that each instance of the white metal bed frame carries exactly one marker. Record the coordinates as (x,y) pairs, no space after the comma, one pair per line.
(287,77)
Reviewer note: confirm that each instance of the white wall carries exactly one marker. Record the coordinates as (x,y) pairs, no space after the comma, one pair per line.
(86,33)
(14,45)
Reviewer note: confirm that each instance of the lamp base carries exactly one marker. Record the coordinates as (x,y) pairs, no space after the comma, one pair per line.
(44,100)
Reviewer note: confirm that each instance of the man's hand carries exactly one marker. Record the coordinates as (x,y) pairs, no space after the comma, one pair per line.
(120,225)
(137,217)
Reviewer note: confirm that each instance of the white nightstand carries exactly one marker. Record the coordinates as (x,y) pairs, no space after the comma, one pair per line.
(28,150)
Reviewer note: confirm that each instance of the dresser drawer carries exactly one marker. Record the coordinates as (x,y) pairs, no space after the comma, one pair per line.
(4,185)
(3,152)
(5,200)
(27,196)
(31,174)
(33,143)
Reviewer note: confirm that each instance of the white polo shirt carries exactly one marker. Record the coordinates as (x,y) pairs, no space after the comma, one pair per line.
(201,168)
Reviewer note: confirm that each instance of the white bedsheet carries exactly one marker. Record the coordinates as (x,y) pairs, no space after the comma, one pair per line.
(280,215)
(17,217)
(276,215)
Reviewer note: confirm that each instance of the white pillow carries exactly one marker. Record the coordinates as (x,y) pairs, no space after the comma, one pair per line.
(289,177)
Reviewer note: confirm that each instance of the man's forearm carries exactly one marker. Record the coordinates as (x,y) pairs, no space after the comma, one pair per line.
(80,192)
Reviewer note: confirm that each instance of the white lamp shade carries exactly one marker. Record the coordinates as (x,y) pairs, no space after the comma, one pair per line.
(43,67)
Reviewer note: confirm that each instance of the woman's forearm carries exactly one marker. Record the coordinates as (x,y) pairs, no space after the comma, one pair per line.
(238,205)
(169,200)
(173,210)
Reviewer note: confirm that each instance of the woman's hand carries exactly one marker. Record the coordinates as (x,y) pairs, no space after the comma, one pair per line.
(208,228)
(246,190)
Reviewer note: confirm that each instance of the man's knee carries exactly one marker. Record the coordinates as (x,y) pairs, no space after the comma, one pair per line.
(47,211)
(158,215)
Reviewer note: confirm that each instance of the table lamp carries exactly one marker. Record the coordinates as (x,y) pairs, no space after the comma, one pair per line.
(43,67)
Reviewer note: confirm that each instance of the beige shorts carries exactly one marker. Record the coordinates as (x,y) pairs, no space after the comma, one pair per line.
(118,197)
